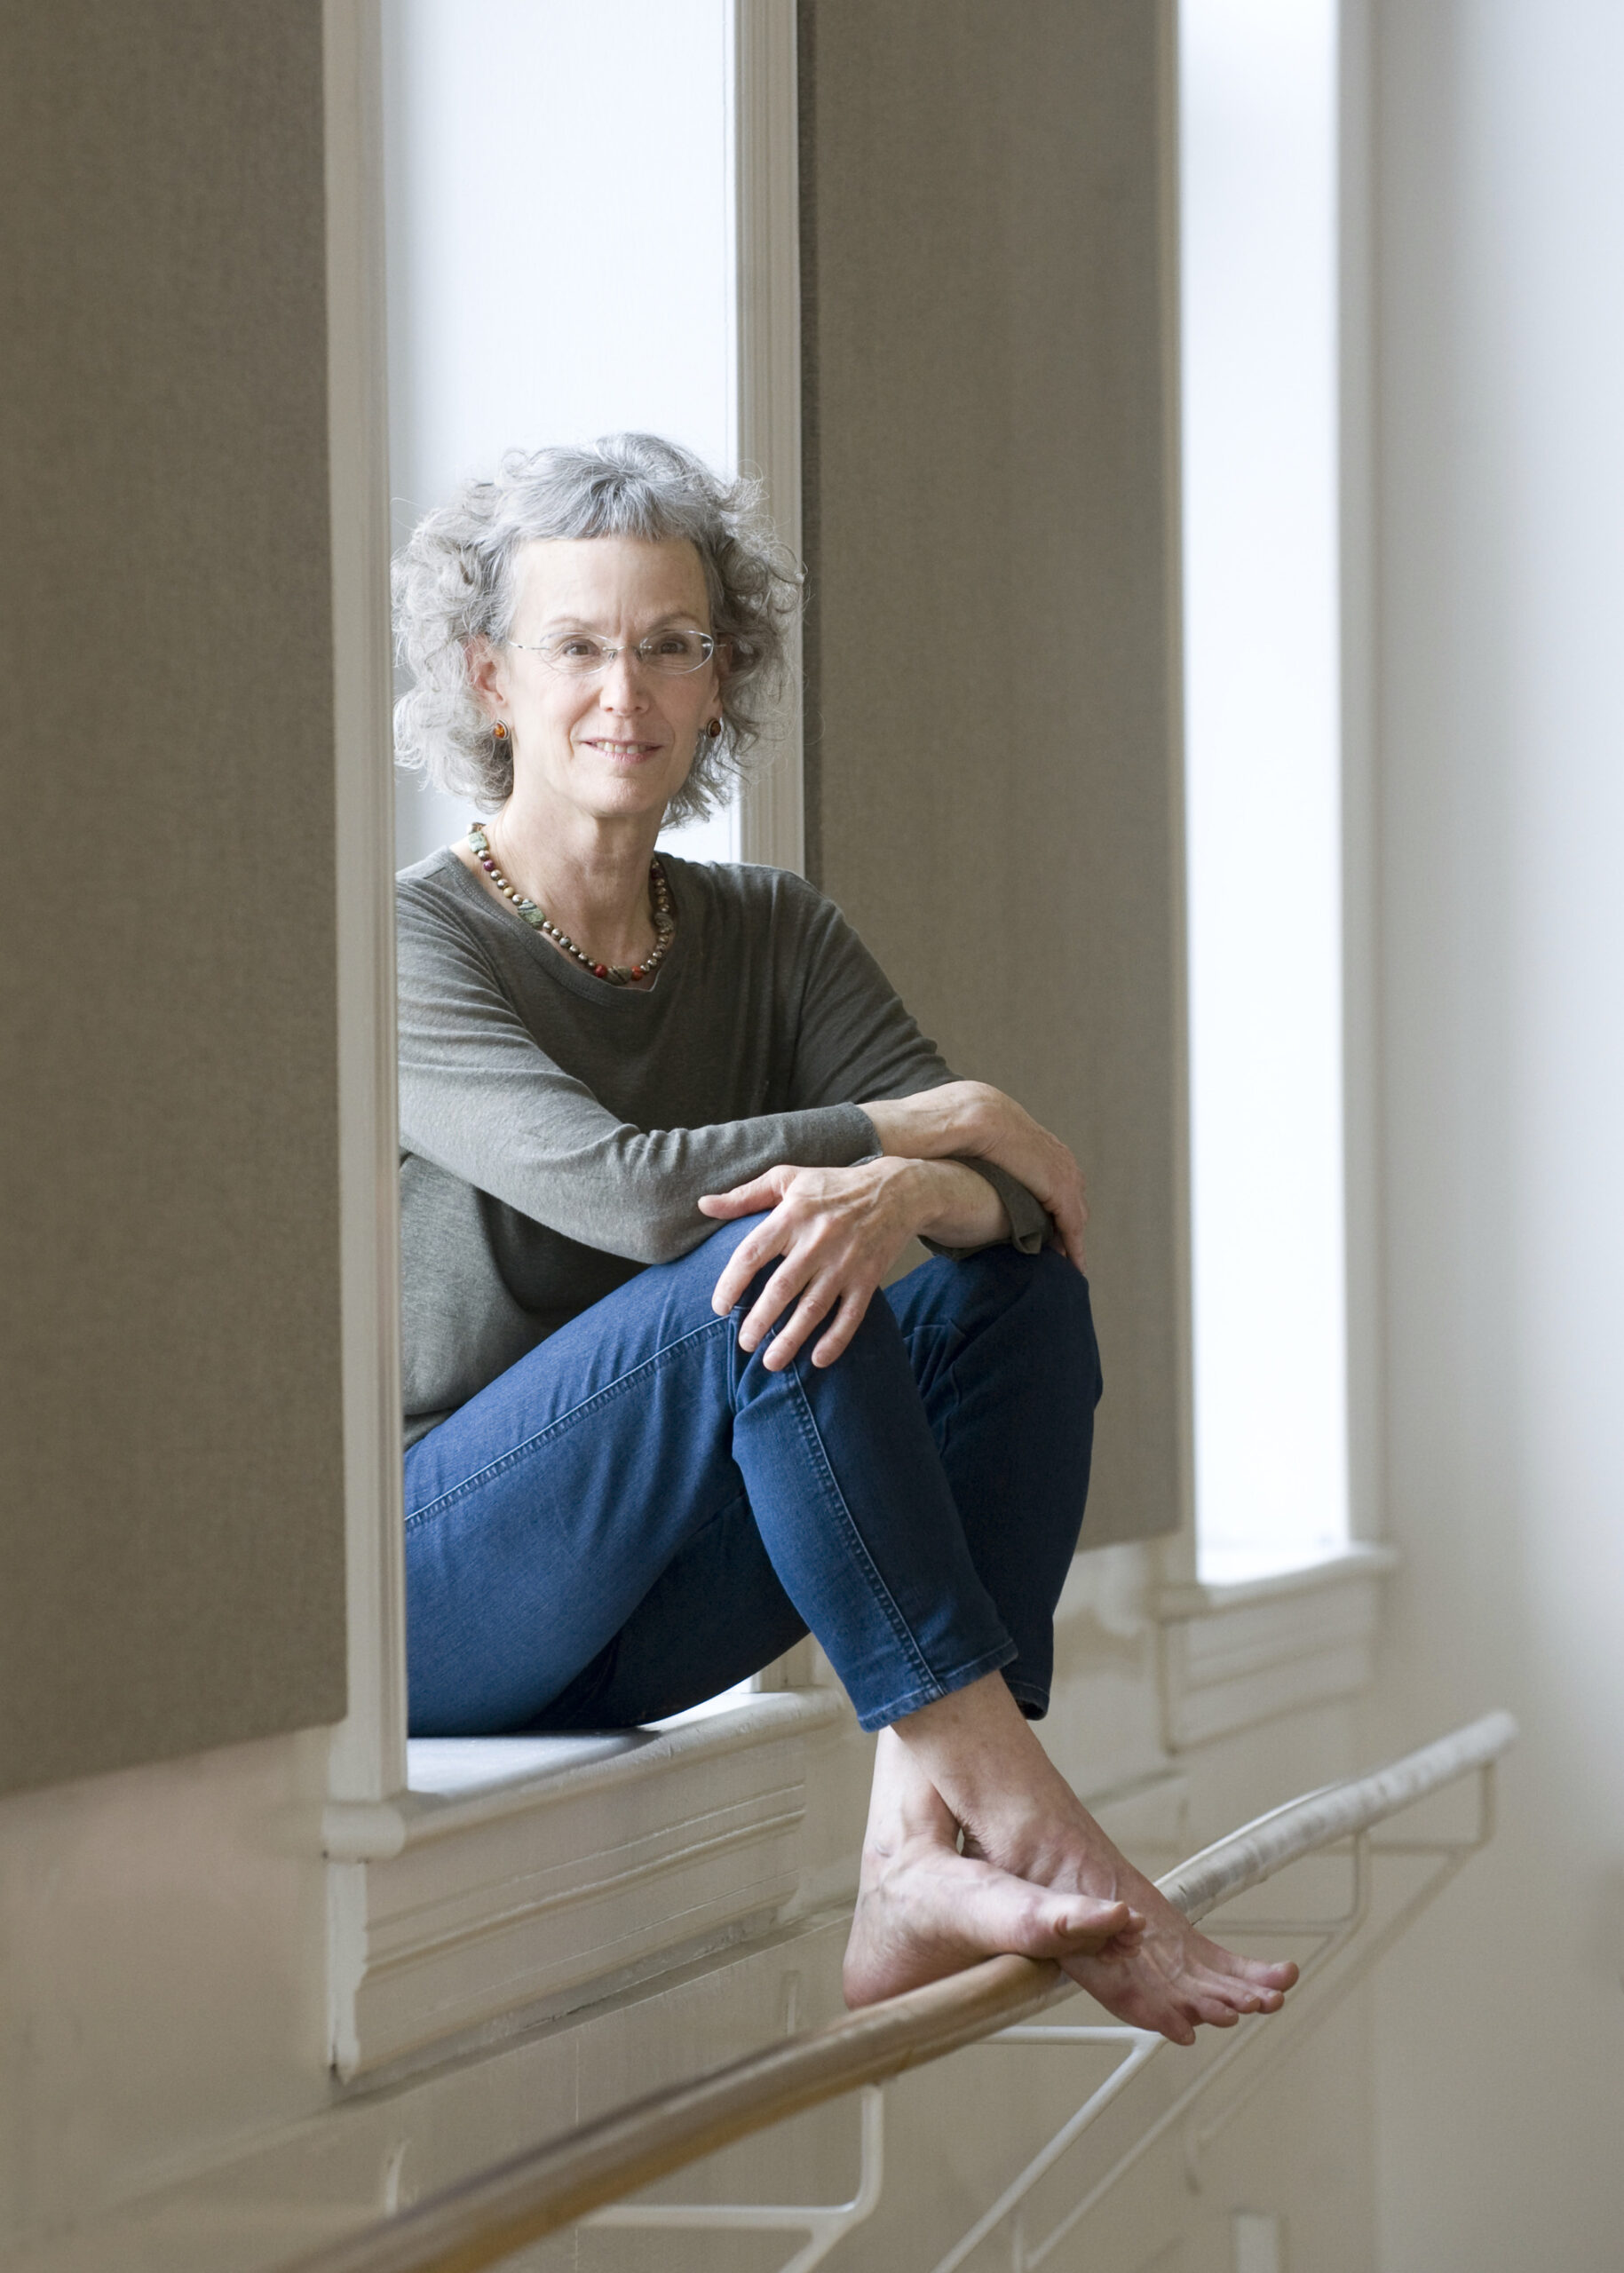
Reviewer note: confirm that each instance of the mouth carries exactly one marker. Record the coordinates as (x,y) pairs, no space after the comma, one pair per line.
(627,753)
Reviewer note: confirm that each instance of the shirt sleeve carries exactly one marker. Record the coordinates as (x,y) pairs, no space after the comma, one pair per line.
(480,1098)
(855,1038)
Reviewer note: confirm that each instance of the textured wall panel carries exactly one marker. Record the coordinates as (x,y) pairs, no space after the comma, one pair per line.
(995,796)
(169,1297)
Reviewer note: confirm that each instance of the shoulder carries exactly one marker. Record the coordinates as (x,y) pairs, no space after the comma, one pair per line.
(430,879)
(767,906)
(437,906)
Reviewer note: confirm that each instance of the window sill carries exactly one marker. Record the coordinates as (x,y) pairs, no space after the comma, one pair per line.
(520,1877)
(1234,1655)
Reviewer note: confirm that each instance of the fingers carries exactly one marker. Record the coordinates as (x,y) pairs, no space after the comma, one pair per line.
(788,1285)
(1069,1222)
(751,1198)
(813,1303)
(853,1310)
(752,1255)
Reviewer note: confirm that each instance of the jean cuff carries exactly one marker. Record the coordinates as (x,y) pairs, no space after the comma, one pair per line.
(881,1716)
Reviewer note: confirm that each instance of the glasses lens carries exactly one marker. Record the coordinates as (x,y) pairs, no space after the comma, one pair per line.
(576,652)
(583,654)
(677,651)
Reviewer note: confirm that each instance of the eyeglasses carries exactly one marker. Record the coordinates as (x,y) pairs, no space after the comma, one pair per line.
(582,654)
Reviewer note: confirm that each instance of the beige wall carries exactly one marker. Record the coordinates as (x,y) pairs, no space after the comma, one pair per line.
(994,791)
(174,1572)
(1500,174)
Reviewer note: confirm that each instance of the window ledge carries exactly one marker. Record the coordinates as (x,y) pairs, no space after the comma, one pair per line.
(523,1874)
(1235,1654)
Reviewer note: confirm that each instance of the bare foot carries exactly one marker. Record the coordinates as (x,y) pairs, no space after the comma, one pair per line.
(1020,1816)
(923,1910)
(1171,1977)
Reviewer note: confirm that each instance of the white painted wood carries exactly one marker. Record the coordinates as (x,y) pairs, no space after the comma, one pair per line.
(1193,1597)
(582,1864)
(1235,1656)
(768,241)
(767,255)
(1368,1514)
(368,1758)
(1259,2242)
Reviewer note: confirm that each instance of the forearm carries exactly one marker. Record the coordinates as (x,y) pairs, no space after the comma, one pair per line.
(935,1124)
(974,1120)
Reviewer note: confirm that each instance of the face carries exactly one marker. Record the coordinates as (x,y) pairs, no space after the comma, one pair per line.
(619,745)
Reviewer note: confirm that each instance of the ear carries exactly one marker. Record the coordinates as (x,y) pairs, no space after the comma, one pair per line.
(487,676)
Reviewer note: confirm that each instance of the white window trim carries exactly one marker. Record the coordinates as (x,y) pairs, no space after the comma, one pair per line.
(1233,1656)
(1362,951)
(448,1913)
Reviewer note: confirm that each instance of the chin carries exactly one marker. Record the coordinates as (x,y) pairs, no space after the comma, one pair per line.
(618,801)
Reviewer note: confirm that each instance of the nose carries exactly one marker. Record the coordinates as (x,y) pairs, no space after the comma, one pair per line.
(621,687)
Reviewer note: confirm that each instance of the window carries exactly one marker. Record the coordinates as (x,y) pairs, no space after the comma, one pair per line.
(531,300)
(1259,231)
(441,1917)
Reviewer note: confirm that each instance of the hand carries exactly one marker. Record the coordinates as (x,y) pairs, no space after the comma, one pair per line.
(973,1118)
(838,1231)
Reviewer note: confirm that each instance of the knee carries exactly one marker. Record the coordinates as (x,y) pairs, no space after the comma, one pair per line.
(1061,1297)
(711,1254)
(1048,1307)
(727,1237)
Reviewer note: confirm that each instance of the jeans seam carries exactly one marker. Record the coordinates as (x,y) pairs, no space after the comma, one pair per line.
(939,1685)
(949,1334)
(601,1396)
(880,1593)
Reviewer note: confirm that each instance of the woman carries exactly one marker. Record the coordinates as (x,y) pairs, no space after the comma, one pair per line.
(665,1129)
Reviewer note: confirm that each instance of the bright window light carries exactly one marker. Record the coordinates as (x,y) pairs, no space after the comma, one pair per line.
(1258,212)
(557,270)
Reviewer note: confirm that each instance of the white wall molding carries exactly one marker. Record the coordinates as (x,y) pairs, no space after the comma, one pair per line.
(1234,1656)
(530,1892)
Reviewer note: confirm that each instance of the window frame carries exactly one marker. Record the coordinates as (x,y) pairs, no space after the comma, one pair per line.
(1361,977)
(390,1994)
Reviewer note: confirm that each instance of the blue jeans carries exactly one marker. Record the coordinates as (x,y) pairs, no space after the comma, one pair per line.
(637,1514)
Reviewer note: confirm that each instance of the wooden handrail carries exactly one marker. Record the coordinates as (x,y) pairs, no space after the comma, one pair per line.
(488,2217)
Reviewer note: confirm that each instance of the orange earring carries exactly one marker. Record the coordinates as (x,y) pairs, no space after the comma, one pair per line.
(714,728)
(499,732)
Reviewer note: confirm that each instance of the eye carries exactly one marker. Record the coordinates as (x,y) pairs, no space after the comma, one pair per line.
(577,647)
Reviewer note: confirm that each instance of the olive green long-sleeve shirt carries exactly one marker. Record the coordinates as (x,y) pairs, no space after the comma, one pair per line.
(556,1133)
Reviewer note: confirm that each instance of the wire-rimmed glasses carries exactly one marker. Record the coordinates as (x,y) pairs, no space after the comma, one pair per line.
(671,653)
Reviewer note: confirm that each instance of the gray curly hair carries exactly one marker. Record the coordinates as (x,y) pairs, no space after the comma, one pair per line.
(454,582)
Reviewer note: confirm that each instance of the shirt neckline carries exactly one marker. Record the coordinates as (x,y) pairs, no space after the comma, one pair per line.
(563,968)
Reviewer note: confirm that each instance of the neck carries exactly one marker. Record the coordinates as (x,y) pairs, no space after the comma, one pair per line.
(590,873)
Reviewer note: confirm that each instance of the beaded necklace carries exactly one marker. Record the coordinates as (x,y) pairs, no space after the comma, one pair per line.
(617,974)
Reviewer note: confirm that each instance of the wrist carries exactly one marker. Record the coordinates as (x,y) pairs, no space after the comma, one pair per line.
(915,1187)
(975,1118)
(952,1203)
